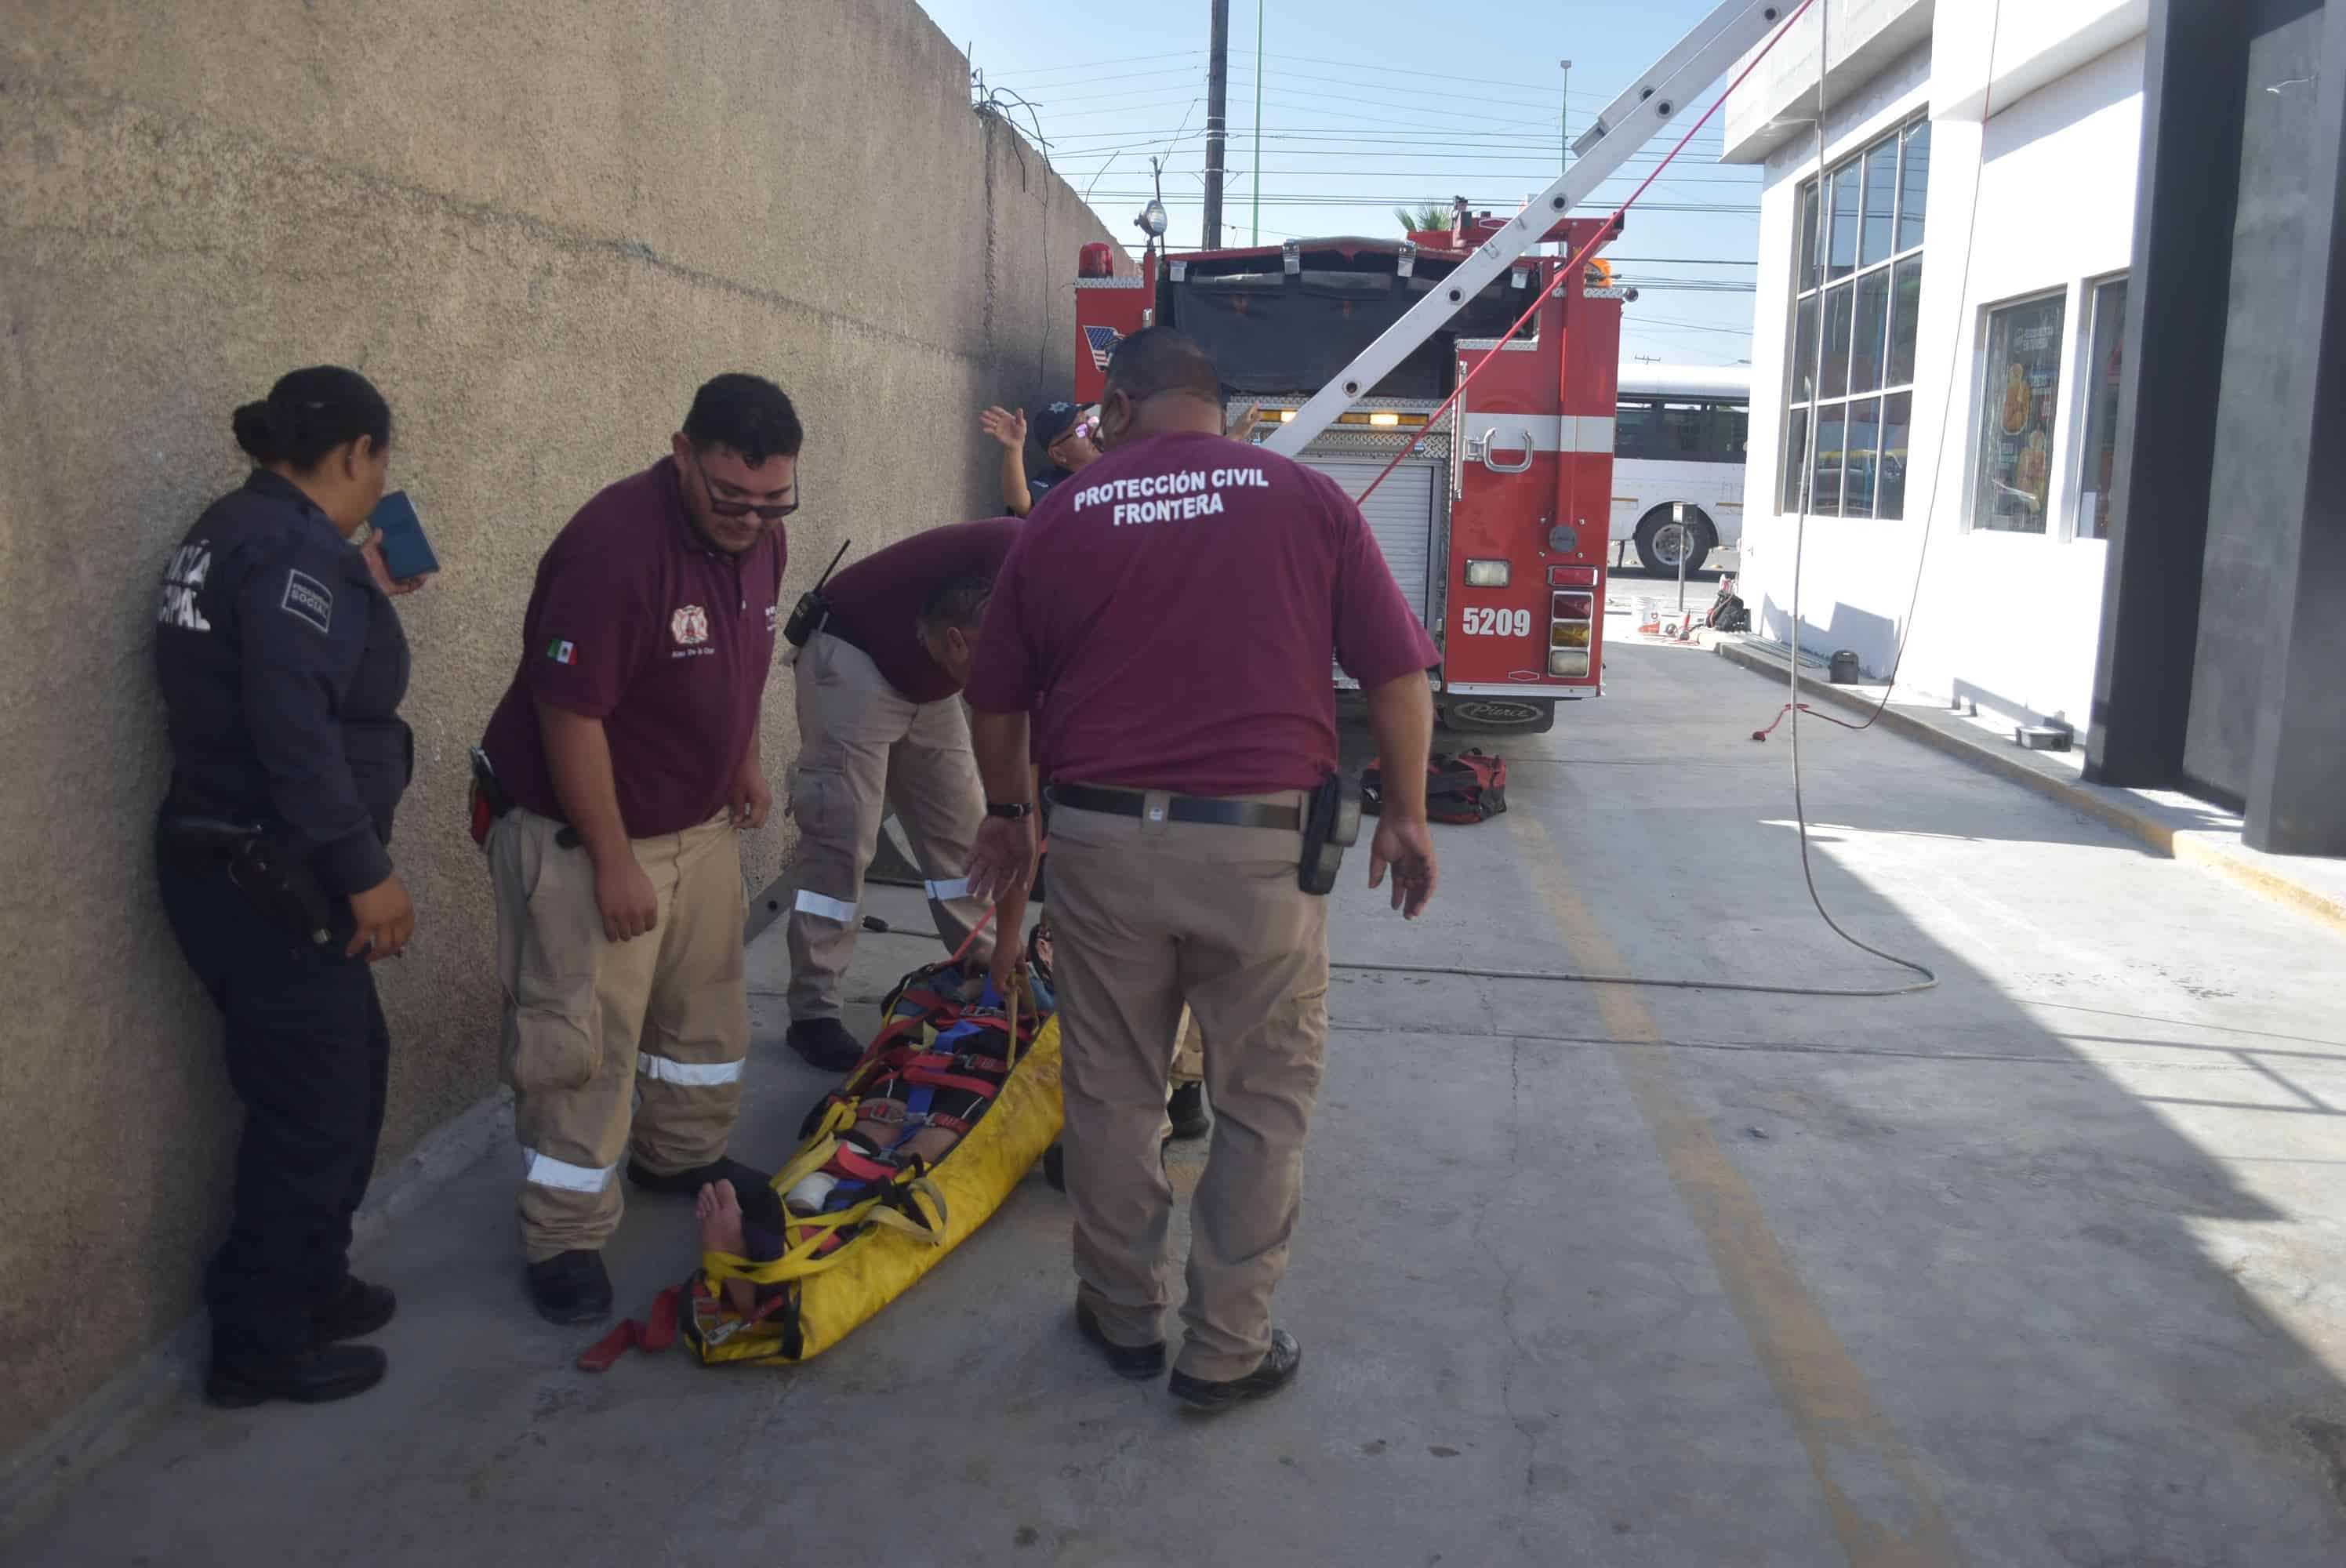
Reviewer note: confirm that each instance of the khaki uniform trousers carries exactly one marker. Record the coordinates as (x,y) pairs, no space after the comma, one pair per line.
(616,1047)
(1148,915)
(862,745)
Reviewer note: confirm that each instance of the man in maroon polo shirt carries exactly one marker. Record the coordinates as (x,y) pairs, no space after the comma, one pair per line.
(880,720)
(1173,608)
(627,753)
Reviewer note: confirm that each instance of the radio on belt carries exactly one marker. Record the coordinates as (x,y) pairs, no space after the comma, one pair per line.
(812,609)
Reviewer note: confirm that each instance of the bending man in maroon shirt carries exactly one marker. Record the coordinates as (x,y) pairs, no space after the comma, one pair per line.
(879,720)
(625,753)
(1172,609)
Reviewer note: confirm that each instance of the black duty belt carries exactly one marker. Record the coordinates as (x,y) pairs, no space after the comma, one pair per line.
(1178,808)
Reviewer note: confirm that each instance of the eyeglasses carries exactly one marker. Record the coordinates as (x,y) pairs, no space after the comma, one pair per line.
(1082,428)
(766,513)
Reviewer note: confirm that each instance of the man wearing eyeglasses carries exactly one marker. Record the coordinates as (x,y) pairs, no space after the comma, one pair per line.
(624,760)
(1067,436)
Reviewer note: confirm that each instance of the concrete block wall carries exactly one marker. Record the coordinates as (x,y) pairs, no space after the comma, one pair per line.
(538,226)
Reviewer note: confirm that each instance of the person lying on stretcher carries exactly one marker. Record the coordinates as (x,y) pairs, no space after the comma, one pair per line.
(911,1115)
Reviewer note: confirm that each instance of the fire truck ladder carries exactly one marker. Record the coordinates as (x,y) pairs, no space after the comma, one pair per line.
(1627,124)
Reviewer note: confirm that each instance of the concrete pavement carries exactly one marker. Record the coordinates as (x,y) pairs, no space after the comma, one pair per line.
(2041,1267)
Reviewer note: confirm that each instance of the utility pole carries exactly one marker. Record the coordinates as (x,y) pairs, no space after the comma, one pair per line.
(1217,92)
(1258,123)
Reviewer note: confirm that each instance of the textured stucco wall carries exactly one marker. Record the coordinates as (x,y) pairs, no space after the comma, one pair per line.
(538,226)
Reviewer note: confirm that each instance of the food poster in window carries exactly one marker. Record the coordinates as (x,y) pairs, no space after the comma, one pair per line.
(2021,402)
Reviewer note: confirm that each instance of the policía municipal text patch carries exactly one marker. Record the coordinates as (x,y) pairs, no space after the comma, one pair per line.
(308,599)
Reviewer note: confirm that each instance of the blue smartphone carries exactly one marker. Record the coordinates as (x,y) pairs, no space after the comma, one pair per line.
(406,552)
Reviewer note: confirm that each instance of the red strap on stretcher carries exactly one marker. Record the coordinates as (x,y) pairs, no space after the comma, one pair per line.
(658,1334)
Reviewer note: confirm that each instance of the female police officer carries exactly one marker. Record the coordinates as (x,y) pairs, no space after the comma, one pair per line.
(283,664)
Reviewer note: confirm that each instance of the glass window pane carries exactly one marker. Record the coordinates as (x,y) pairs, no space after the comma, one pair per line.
(1881,202)
(1804,275)
(1731,428)
(1830,434)
(1873,320)
(2018,404)
(1636,429)
(1804,351)
(1864,458)
(1838,305)
(1796,459)
(1841,246)
(1890,492)
(2102,372)
(1914,186)
(1905,312)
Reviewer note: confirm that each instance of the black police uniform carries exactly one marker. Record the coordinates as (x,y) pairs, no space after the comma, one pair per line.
(282,666)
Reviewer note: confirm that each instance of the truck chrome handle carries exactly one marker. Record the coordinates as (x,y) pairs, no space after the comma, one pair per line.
(1480,448)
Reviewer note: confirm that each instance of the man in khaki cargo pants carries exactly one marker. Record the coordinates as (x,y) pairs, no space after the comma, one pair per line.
(880,720)
(1172,608)
(625,761)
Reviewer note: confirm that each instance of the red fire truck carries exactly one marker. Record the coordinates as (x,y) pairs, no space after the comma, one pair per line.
(1495,524)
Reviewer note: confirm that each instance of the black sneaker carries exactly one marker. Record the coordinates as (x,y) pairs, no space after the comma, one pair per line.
(571,1288)
(1276,1371)
(825,1043)
(1135,1361)
(355,1311)
(310,1376)
(1187,1109)
(690,1181)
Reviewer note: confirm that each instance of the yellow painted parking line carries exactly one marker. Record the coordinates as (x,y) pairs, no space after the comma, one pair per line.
(1882,1511)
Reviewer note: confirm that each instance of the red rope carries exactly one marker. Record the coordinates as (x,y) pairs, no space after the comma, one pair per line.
(1572,268)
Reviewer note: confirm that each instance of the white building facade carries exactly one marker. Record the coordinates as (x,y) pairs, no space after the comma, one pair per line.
(1938,336)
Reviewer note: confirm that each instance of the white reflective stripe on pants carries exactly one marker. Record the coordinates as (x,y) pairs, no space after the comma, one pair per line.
(815,904)
(956,888)
(689,1075)
(544,1170)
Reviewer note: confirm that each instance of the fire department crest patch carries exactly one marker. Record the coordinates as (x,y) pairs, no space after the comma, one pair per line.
(1103,342)
(690,625)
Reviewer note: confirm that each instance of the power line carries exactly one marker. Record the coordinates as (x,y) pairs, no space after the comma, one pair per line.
(1089,65)
(1405,198)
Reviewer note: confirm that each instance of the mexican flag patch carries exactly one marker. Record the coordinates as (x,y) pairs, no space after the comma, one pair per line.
(561,652)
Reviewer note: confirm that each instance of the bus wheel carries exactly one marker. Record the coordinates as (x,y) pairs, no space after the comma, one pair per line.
(1661,539)
(1498,715)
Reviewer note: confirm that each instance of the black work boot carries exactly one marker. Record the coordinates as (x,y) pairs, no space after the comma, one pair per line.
(1276,1371)
(310,1376)
(571,1288)
(825,1043)
(1134,1361)
(353,1312)
(690,1181)
(1188,1110)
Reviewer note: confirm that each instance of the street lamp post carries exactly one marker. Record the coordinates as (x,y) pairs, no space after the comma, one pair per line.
(1564,116)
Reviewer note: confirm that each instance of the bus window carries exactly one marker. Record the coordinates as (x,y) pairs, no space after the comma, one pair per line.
(1637,430)
(1702,431)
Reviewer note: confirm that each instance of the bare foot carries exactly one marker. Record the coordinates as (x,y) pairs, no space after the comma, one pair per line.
(719,1208)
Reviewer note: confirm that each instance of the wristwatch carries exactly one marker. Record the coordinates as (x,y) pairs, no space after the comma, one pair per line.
(1009,811)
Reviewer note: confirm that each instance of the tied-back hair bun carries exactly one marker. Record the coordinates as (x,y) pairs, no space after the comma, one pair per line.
(309,413)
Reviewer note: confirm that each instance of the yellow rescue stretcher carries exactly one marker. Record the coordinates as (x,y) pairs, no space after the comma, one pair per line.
(842,1267)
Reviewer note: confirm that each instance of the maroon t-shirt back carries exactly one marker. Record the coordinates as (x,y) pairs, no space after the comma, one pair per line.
(638,621)
(1173,607)
(876,603)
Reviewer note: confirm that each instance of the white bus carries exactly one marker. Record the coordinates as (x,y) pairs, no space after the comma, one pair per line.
(1677,461)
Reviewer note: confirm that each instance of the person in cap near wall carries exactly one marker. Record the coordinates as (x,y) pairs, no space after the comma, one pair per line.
(1068,437)
(283,664)
(623,763)
(1172,609)
(880,720)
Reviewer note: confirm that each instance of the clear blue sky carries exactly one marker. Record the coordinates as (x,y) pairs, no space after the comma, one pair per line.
(1371,104)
